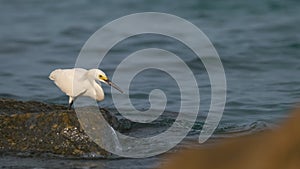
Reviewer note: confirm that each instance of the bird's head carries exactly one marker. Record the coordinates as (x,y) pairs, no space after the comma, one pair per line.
(101,76)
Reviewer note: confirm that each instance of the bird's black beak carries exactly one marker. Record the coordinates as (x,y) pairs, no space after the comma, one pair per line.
(114,85)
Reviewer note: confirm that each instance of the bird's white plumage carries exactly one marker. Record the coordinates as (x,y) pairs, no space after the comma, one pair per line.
(81,82)
(65,78)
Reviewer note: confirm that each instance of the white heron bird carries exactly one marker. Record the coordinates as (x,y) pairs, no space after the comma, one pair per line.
(81,82)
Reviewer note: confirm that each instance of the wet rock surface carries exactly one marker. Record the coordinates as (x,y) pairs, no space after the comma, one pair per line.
(37,128)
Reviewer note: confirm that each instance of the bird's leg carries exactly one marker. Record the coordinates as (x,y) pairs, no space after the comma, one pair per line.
(70,105)
(71,101)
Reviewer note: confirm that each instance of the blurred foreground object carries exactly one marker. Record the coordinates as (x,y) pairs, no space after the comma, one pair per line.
(278,149)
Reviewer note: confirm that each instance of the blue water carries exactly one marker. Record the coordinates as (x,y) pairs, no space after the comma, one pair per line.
(258,42)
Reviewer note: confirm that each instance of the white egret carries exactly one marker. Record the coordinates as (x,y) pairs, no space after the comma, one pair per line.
(81,82)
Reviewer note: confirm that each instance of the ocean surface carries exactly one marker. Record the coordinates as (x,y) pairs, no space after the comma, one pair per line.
(258,42)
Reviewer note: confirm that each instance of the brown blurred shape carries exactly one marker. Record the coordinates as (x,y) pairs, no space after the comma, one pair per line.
(278,149)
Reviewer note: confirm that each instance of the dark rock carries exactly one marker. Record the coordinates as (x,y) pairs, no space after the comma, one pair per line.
(43,128)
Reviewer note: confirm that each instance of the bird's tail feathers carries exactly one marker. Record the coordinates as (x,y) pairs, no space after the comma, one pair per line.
(53,74)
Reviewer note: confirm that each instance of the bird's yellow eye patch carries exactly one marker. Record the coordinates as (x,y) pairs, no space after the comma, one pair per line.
(103,77)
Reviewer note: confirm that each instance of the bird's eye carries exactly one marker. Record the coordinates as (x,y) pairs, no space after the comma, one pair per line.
(100,76)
